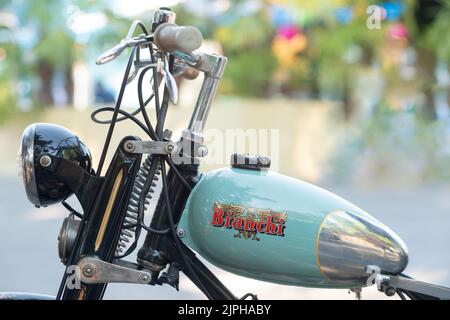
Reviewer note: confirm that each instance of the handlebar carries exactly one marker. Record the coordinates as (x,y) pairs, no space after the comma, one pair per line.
(179,42)
(169,37)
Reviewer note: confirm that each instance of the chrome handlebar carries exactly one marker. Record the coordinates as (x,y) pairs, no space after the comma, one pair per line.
(169,37)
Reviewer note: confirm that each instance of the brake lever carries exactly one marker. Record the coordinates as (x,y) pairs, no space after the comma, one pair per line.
(133,75)
(139,64)
(169,80)
(117,50)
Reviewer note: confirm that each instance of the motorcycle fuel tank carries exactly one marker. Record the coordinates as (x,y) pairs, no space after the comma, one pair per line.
(275,228)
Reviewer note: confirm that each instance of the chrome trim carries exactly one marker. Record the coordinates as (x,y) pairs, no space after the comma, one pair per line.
(164,16)
(214,67)
(348,242)
(26,164)
(150,147)
(211,64)
(190,58)
(66,237)
(24,296)
(128,42)
(203,105)
(117,50)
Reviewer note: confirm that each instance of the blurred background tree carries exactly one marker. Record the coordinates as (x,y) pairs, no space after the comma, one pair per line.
(425,14)
(341,45)
(382,65)
(437,35)
(300,50)
(54,47)
(251,64)
(10,64)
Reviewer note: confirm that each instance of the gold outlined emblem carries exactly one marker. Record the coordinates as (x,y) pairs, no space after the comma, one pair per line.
(248,222)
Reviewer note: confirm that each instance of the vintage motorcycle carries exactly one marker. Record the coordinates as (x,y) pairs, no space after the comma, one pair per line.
(244,219)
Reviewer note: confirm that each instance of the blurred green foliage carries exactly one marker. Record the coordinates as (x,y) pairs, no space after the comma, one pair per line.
(248,73)
(250,62)
(335,51)
(53,47)
(8,71)
(335,54)
(438,35)
(7,101)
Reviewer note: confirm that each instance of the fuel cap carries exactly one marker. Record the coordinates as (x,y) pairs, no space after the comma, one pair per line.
(250,161)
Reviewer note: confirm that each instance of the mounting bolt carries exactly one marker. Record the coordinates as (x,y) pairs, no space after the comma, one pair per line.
(181,233)
(144,278)
(45,161)
(202,151)
(389,291)
(170,148)
(89,270)
(129,146)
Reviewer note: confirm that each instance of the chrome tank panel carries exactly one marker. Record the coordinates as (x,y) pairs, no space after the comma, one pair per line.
(318,239)
(346,238)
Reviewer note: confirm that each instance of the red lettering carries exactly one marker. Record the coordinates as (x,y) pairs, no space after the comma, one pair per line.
(217,217)
(280,231)
(228,220)
(237,224)
(260,227)
(249,225)
(268,224)
(271,227)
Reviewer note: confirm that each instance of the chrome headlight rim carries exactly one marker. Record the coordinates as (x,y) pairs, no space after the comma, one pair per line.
(27,165)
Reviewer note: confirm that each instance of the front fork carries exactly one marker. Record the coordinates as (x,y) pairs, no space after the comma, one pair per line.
(105,201)
(102,222)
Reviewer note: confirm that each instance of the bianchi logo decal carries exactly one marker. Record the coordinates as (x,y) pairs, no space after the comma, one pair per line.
(248,222)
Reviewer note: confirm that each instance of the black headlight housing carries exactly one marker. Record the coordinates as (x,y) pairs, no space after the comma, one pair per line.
(42,142)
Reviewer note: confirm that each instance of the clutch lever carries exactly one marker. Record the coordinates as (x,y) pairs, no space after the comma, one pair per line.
(117,50)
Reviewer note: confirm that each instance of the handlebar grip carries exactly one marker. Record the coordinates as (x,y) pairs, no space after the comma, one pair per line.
(191,74)
(185,72)
(170,37)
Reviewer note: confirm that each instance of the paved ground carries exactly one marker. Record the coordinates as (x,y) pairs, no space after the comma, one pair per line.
(28,237)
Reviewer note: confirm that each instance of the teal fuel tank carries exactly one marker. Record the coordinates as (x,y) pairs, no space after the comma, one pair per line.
(275,228)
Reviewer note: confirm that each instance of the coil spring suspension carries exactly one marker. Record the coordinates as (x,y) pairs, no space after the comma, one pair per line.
(131,216)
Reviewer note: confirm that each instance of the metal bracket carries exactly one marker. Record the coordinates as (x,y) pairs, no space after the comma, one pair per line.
(385,282)
(192,144)
(150,147)
(389,284)
(93,270)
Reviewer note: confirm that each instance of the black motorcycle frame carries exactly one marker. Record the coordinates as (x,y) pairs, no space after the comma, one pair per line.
(104,215)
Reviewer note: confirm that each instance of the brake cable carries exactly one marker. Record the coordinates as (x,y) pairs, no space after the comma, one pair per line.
(161,112)
(174,233)
(115,113)
(72,210)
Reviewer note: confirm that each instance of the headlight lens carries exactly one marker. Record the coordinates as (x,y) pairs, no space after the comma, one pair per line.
(41,141)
